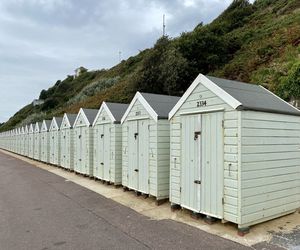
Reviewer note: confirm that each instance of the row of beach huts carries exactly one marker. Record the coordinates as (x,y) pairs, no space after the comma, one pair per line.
(225,149)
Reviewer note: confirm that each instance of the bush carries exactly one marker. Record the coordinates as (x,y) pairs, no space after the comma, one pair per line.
(94,88)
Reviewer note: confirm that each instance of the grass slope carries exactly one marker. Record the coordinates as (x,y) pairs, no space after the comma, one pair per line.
(257,43)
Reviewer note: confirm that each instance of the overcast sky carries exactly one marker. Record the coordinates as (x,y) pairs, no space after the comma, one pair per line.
(42,41)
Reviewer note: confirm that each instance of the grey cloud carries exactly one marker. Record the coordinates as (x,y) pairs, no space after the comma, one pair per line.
(44,40)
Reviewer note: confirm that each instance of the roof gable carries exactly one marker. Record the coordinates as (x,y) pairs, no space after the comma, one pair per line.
(158,106)
(30,130)
(55,124)
(114,111)
(68,121)
(85,117)
(37,127)
(46,125)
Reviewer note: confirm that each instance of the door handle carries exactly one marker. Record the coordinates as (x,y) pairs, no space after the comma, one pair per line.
(136,170)
(136,135)
(196,135)
(197,181)
(102,163)
(102,135)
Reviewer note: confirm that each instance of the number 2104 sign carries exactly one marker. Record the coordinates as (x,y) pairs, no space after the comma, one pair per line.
(201,103)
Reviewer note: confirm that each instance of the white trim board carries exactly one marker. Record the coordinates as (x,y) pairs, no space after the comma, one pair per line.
(202,111)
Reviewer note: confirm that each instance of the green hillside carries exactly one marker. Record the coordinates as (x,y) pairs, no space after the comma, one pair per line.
(257,43)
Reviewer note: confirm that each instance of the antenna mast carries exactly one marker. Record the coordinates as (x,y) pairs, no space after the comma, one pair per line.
(120,56)
(164,24)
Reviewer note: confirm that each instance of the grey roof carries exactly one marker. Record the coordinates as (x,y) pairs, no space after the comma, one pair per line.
(254,97)
(48,123)
(58,121)
(117,109)
(90,114)
(39,125)
(162,104)
(71,118)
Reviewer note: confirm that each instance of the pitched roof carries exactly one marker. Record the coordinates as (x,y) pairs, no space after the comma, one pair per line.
(117,109)
(254,97)
(48,124)
(58,121)
(90,114)
(161,104)
(158,106)
(240,96)
(71,118)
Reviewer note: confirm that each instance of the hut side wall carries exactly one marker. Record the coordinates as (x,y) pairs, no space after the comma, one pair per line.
(270,165)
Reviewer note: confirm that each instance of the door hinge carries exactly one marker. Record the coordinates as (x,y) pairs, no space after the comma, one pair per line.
(180,189)
(222,123)
(148,181)
(180,125)
(223,202)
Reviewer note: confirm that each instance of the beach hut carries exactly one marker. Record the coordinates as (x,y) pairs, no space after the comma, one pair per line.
(108,142)
(54,135)
(45,142)
(31,140)
(22,135)
(83,141)
(18,141)
(26,140)
(13,140)
(234,152)
(146,144)
(67,141)
(37,141)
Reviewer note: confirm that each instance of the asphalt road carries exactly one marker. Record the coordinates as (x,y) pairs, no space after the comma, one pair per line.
(39,210)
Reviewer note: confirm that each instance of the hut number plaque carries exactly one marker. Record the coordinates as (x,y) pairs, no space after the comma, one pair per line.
(201,103)
(138,113)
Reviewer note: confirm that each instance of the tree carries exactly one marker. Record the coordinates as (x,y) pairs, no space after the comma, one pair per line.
(43,95)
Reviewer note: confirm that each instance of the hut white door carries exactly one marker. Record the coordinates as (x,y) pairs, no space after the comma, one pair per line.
(97,150)
(100,153)
(133,166)
(191,162)
(52,147)
(63,148)
(79,149)
(68,148)
(143,155)
(202,168)
(85,150)
(106,155)
(42,146)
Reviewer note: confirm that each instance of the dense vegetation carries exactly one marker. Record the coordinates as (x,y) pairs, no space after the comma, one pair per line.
(258,43)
